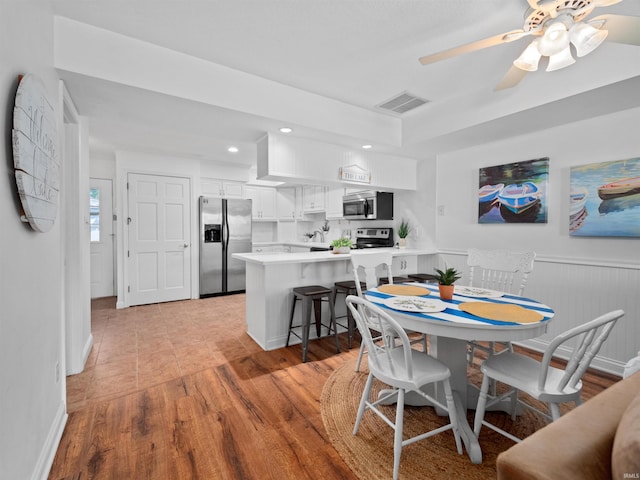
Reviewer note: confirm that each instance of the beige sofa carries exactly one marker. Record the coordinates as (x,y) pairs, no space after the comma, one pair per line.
(598,440)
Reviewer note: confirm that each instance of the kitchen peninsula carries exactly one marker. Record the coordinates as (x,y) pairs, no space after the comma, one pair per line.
(270,276)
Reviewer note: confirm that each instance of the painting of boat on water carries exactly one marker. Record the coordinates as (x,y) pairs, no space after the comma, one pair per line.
(605,199)
(514,192)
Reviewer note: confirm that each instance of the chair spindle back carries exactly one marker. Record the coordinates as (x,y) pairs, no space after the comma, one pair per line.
(589,339)
(368,262)
(381,361)
(499,269)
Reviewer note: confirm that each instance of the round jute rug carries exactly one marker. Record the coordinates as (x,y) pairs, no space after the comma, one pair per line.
(369,454)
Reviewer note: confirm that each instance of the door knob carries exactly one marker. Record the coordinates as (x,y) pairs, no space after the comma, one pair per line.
(185,245)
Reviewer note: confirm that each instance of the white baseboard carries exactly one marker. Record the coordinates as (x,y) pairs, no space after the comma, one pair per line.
(48,452)
(86,351)
(78,367)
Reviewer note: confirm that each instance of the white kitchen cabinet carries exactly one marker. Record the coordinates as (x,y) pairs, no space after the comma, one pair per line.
(263,249)
(288,205)
(313,198)
(214,187)
(233,189)
(269,248)
(263,207)
(334,202)
(404,265)
(299,209)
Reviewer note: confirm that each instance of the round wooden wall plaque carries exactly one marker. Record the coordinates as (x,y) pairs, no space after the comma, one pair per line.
(35,154)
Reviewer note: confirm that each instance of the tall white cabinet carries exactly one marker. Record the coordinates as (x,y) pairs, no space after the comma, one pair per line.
(289,204)
(313,198)
(214,187)
(334,202)
(264,202)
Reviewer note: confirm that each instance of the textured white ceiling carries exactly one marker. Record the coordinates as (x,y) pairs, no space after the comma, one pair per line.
(361,52)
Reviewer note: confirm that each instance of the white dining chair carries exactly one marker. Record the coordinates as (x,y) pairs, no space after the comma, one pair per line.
(539,379)
(499,270)
(393,362)
(368,263)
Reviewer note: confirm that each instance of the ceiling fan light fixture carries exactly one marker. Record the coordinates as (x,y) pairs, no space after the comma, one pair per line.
(586,38)
(560,60)
(529,58)
(554,40)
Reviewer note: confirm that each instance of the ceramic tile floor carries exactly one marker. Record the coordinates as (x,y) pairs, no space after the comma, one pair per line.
(137,347)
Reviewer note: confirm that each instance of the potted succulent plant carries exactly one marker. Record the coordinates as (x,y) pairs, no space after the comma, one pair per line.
(341,245)
(403,233)
(446,279)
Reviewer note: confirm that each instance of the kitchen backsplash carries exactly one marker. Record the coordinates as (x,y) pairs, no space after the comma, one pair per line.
(288,231)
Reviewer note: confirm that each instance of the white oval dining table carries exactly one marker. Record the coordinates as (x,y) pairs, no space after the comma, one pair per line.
(450,330)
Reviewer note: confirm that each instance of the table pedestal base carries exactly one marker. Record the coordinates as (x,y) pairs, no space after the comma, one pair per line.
(467,436)
(453,353)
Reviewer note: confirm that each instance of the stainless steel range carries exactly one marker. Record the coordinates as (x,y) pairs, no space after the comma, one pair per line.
(374,237)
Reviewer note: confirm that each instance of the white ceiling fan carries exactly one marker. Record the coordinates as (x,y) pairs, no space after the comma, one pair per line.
(559,26)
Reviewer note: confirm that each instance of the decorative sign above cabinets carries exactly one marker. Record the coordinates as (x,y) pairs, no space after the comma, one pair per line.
(355,173)
(35,154)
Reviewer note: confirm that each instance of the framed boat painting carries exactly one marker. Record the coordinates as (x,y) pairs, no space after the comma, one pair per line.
(514,192)
(604,200)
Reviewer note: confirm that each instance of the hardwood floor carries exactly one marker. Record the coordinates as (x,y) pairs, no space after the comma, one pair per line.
(180,391)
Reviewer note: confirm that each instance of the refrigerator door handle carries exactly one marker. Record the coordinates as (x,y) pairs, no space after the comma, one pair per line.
(225,246)
(225,233)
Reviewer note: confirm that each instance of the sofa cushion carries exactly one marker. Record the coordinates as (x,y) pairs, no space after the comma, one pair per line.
(625,455)
(577,445)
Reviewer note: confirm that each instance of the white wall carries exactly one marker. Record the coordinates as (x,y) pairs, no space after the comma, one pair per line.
(133,162)
(570,272)
(102,165)
(118,165)
(613,137)
(32,408)
(225,171)
(116,58)
(74,209)
(419,207)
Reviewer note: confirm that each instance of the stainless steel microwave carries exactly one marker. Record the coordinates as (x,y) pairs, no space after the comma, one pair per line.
(368,205)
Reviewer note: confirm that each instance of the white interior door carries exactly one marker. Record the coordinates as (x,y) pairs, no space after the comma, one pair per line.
(101,225)
(159,251)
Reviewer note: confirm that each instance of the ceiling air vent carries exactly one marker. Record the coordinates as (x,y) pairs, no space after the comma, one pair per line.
(402,103)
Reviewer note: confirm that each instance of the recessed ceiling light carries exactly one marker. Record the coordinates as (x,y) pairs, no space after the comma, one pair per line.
(286,129)
(232,149)
(366,147)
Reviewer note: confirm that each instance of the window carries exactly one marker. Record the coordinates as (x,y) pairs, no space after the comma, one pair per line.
(94,214)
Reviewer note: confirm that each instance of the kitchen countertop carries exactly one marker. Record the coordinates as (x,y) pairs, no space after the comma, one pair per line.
(272,258)
(293,244)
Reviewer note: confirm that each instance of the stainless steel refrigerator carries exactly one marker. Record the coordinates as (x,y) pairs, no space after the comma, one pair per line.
(225,228)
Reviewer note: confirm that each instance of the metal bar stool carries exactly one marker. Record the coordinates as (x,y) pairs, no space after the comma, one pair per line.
(312,294)
(346,288)
(385,280)
(423,277)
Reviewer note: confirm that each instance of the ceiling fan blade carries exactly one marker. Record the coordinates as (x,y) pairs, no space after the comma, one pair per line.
(622,28)
(547,4)
(513,77)
(472,47)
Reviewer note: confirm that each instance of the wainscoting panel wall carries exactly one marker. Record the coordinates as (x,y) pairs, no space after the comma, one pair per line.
(578,290)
